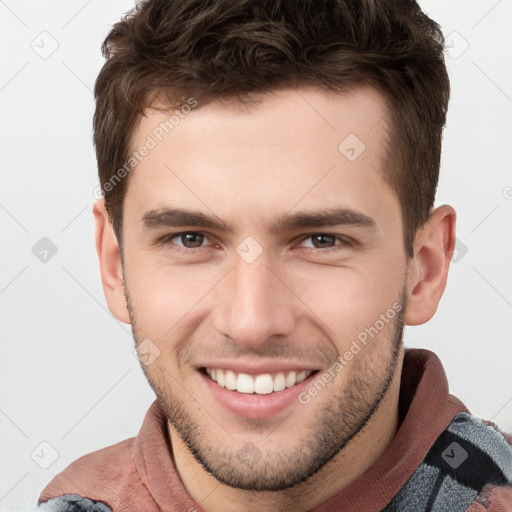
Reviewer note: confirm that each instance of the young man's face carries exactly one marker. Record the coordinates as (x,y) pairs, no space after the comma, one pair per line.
(268,288)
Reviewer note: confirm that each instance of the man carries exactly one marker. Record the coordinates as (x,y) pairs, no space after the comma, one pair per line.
(267,228)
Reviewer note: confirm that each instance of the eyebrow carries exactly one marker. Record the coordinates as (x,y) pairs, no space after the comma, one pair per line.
(324,218)
(175,217)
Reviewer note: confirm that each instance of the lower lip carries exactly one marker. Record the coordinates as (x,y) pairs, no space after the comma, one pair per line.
(254,405)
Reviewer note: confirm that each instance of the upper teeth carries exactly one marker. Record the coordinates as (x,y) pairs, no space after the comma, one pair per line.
(260,384)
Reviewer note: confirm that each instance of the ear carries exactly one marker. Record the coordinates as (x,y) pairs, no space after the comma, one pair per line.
(110,263)
(428,269)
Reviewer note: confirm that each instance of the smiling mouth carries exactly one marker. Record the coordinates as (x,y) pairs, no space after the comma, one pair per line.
(262,384)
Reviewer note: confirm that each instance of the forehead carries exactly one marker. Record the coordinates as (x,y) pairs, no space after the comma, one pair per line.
(293,145)
(284,116)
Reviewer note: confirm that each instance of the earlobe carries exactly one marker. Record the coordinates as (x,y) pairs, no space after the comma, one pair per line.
(428,269)
(110,263)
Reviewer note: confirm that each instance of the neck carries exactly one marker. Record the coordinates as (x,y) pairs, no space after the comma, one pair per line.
(360,453)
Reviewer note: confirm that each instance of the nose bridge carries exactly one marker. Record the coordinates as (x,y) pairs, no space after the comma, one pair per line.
(253,304)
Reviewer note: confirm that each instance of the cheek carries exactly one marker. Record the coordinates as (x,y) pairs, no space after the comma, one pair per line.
(347,301)
(163,296)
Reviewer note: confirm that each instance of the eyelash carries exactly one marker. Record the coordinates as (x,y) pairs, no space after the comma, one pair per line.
(345,241)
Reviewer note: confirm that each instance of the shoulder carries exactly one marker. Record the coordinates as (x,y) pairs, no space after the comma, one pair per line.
(73,503)
(99,475)
(111,462)
(468,463)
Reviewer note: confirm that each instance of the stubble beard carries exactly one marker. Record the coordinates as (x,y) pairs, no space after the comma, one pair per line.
(243,465)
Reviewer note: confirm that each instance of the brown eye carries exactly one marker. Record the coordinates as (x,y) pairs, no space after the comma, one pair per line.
(187,240)
(326,241)
(321,241)
(191,240)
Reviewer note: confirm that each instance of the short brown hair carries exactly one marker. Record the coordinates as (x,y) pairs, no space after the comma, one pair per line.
(209,49)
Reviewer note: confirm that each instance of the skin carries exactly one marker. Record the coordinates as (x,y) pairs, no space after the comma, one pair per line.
(298,301)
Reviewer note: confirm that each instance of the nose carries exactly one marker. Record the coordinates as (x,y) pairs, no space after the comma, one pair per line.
(254,304)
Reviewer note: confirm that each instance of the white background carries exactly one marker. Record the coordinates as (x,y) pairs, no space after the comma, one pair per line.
(68,375)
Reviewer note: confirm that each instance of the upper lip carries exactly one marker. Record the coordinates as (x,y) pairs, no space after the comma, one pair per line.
(257,368)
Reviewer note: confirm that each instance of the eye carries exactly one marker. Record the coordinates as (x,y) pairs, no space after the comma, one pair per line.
(188,240)
(324,241)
